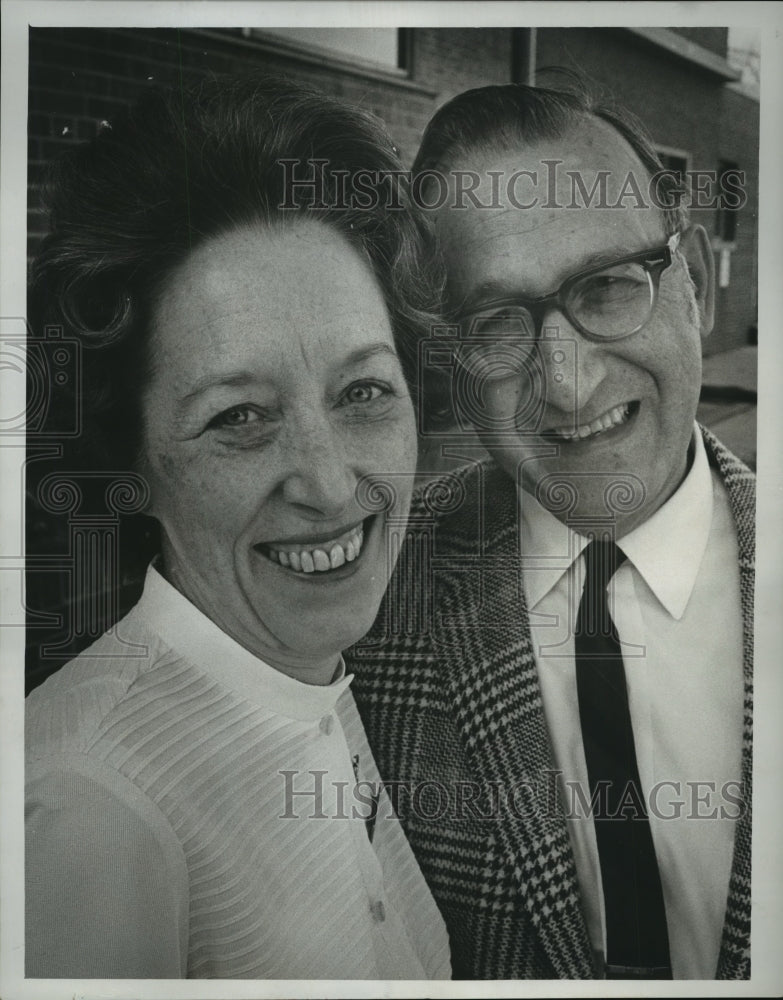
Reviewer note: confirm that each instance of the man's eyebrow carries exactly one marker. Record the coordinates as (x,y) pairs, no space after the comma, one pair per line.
(497,288)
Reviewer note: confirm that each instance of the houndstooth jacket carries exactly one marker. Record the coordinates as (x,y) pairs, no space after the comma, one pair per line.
(447,686)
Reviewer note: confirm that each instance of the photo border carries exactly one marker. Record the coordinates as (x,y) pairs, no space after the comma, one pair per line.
(767,964)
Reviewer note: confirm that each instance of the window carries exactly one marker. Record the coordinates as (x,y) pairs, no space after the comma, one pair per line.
(383,48)
(726,227)
(674,159)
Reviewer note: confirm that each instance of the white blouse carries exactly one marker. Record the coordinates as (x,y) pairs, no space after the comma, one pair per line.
(192,812)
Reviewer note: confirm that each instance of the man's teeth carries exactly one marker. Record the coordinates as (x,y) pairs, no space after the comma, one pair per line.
(617,415)
(319,559)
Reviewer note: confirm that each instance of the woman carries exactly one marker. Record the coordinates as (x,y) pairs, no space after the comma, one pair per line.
(201,799)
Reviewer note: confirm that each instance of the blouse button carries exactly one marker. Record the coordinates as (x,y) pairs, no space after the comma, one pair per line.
(378,911)
(326,725)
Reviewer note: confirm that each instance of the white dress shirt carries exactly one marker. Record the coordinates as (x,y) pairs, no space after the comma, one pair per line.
(676,607)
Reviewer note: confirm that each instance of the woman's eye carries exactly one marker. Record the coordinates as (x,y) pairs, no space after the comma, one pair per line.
(237,416)
(364,392)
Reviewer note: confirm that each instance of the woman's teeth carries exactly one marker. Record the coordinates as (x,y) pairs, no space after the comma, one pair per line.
(612,418)
(321,558)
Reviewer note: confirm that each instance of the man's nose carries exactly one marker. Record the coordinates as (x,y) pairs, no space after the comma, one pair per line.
(320,474)
(573,366)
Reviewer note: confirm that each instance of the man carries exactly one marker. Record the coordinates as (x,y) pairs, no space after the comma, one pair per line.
(570,824)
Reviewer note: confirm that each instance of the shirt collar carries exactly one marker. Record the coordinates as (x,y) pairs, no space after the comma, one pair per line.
(666,550)
(548,548)
(189,632)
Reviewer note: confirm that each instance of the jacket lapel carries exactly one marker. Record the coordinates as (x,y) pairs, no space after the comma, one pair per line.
(494,685)
(734,959)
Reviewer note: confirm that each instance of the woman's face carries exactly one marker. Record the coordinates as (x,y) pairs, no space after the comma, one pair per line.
(276,389)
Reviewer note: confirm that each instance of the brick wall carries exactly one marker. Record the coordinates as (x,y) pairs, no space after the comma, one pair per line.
(738,303)
(452,60)
(679,105)
(683,108)
(80,77)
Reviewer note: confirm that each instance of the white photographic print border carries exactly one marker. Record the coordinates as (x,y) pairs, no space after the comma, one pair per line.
(17,16)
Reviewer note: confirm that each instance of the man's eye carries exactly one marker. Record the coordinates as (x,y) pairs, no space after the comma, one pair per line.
(613,283)
(610,287)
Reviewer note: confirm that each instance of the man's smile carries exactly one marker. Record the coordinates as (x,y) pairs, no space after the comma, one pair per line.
(612,419)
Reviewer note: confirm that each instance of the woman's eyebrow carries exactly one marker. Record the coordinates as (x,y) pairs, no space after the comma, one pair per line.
(364,353)
(235,379)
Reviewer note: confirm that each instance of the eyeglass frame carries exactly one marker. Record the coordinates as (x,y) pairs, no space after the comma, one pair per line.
(537,307)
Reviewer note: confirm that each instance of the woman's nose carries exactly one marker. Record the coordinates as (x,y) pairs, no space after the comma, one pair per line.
(320,473)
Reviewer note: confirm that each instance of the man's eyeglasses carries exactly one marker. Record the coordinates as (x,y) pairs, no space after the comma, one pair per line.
(607,302)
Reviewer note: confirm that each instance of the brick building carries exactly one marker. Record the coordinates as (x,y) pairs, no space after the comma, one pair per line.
(678,81)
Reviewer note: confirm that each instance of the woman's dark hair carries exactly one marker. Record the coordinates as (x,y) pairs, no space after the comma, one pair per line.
(185,165)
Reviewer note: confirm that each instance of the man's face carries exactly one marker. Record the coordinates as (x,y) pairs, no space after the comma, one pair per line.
(629,404)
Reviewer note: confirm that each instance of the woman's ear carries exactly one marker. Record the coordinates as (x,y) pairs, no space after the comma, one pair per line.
(695,245)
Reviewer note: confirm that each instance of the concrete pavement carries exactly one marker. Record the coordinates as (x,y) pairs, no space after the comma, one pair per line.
(727,381)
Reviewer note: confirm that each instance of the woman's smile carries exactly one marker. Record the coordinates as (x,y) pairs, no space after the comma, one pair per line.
(323,554)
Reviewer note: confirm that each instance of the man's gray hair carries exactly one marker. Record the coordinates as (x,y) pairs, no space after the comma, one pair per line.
(502,117)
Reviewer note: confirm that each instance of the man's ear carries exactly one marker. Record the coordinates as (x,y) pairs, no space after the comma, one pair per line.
(695,245)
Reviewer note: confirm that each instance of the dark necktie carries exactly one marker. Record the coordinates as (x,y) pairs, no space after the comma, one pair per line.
(637,942)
